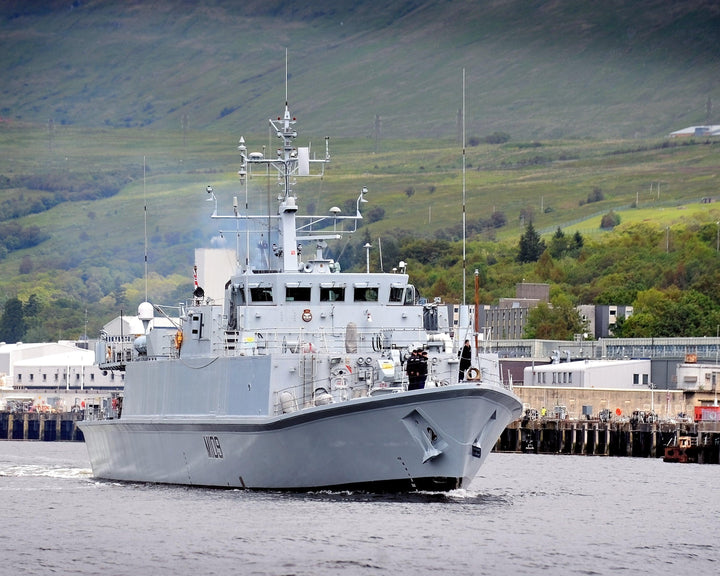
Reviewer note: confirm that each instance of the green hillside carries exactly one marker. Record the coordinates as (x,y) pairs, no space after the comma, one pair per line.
(108,108)
(536,70)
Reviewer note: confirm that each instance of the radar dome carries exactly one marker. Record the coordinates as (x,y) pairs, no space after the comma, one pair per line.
(145,311)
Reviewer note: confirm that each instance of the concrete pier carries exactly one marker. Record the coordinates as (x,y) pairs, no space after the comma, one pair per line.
(46,427)
(539,436)
(595,438)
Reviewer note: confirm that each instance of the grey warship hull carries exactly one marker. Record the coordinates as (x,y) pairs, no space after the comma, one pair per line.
(432,439)
(290,374)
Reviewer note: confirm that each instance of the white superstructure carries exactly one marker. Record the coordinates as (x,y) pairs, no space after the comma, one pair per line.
(297,378)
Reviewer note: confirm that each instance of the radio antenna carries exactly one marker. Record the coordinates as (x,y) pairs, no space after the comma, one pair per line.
(463,186)
(146,241)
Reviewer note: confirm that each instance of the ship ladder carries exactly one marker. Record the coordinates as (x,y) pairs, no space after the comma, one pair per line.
(322,338)
(232,338)
(308,372)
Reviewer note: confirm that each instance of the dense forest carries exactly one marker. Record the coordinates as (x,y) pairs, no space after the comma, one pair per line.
(669,276)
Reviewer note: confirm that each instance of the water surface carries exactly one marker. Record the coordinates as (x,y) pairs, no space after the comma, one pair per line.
(524,514)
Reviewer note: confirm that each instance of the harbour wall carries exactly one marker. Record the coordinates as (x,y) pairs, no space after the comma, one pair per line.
(539,436)
(667,404)
(596,438)
(46,427)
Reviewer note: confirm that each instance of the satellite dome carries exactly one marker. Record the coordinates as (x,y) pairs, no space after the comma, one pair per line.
(145,311)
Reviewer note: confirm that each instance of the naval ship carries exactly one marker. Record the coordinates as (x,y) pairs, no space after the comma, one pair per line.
(298,379)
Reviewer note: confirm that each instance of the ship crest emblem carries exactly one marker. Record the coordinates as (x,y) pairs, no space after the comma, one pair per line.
(306,315)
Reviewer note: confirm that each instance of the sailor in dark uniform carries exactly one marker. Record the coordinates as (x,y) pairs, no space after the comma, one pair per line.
(422,369)
(411,368)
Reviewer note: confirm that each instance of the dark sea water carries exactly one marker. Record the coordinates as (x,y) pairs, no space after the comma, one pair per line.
(524,514)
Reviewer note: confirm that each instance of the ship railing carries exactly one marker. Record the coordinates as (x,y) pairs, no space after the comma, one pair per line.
(249,343)
(292,399)
(114,354)
(341,388)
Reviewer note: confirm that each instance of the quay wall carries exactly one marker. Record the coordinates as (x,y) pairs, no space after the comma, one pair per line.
(46,427)
(589,437)
(595,438)
(667,404)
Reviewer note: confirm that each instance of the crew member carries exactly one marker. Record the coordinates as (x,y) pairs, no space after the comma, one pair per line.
(422,369)
(411,367)
(465,359)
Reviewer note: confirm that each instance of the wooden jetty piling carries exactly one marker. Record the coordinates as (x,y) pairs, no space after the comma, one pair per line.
(41,426)
(614,438)
(539,436)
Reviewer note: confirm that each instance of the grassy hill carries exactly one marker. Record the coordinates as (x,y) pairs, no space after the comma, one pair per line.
(107,108)
(536,70)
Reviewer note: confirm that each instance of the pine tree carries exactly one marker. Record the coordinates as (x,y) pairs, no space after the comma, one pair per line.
(579,240)
(12,322)
(531,246)
(558,244)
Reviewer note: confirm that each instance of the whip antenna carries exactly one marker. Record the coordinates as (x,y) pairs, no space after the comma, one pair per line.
(463,183)
(146,241)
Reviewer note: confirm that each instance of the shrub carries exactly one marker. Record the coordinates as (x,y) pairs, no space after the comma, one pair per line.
(609,221)
(497,138)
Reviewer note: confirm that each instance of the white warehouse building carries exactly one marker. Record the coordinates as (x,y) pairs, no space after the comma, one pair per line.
(625,374)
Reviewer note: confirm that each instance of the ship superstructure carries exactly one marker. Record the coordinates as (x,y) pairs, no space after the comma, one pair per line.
(298,379)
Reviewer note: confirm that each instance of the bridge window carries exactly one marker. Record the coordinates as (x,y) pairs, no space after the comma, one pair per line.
(332,294)
(396,293)
(297,293)
(410,295)
(367,294)
(261,294)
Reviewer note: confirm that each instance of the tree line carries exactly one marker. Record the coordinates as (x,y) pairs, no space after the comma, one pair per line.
(669,275)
